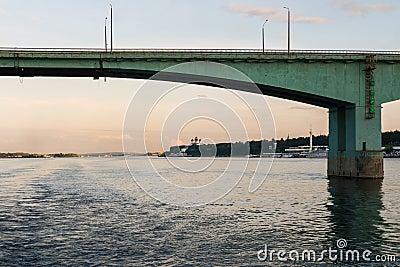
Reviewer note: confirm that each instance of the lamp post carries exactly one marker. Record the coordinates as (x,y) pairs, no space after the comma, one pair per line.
(263,36)
(105,33)
(288,28)
(111,41)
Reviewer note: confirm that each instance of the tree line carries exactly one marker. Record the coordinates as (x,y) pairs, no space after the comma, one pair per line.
(389,139)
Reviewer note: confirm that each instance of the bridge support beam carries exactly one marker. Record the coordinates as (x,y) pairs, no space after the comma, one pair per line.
(354,143)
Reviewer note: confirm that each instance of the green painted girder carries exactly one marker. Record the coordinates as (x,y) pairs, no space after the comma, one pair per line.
(322,78)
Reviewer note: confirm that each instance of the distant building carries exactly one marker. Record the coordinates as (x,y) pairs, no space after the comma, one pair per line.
(307,152)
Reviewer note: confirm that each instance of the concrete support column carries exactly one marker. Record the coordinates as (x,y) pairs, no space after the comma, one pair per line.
(354,143)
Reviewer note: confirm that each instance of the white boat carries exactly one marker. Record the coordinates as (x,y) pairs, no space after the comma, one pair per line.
(309,151)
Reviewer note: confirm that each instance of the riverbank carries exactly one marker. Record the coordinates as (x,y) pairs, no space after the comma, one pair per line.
(19,155)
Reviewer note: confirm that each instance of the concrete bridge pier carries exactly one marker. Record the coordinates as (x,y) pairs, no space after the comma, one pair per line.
(354,143)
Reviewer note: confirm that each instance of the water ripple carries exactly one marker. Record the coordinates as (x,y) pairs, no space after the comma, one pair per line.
(90,212)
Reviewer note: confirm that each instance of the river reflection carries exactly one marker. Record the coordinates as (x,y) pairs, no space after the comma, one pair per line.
(355,208)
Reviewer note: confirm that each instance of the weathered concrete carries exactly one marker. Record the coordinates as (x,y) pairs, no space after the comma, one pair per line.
(365,165)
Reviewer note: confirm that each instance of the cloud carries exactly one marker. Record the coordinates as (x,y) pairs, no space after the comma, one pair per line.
(358,8)
(34,19)
(3,13)
(109,137)
(276,14)
(302,107)
(309,19)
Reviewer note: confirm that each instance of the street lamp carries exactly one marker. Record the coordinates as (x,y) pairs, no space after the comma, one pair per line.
(263,36)
(288,28)
(111,48)
(105,33)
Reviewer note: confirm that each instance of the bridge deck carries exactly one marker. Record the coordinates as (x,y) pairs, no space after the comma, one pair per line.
(218,51)
(198,53)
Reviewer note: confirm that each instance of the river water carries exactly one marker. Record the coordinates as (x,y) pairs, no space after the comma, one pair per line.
(89,211)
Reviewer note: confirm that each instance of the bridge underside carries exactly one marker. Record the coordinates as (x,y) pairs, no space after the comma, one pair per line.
(274,91)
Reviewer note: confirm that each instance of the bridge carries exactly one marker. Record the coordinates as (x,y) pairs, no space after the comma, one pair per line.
(353,85)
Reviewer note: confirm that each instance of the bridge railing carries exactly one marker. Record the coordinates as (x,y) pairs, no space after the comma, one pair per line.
(206,51)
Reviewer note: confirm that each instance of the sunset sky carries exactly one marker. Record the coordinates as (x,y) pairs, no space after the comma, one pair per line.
(47,115)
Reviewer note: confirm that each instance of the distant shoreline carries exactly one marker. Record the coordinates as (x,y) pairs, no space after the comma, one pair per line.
(390,140)
(23,155)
